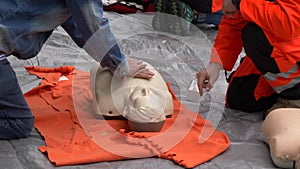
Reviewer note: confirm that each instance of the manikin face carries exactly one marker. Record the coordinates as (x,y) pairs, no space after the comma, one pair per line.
(229,9)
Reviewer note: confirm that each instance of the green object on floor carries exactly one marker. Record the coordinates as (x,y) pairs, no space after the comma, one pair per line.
(173,16)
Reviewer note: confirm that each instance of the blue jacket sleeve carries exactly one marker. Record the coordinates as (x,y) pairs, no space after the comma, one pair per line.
(91,31)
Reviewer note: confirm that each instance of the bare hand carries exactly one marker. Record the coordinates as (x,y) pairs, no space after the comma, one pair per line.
(229,9)
(138,69)
(207,78)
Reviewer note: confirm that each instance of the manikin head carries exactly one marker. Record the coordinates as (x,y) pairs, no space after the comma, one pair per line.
(281,132)
(144,102)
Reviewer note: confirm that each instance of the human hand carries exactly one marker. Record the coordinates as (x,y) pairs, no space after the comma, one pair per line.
(229,9)
(138,69)
(207,78)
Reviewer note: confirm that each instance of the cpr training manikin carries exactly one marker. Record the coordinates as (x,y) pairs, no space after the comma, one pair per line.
(144,102)
(281,130)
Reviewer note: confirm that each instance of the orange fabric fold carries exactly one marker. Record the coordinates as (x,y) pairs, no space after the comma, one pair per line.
(62,107)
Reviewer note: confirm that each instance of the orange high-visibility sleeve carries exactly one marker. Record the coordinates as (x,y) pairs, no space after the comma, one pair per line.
(280,18)
(280,22)
(228,43)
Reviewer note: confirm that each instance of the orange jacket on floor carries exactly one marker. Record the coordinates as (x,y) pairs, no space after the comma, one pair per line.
(280,22)
(62,107)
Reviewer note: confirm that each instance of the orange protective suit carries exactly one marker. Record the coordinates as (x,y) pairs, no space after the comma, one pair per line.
(280,21)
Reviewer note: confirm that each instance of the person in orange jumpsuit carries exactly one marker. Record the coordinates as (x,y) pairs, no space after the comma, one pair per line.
(268,76)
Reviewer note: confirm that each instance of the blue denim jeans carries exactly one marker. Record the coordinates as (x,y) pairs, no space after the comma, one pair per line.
(214,18)
(16,120)
(210,18)
(25,25)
